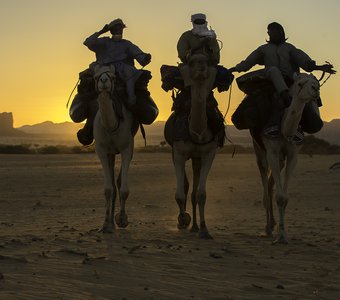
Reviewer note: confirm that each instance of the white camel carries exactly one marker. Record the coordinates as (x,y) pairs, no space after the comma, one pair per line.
(282,153)
(201,149)
(112,135)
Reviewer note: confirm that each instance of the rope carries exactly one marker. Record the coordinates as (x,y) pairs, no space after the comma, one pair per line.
(69,98)
(221,43)
(229,101)
(323,74)
(329,75)
(142,130)
(225,135)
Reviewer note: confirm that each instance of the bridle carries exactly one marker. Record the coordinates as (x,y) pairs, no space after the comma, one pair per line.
(112,77)
(323,75)
(108,74)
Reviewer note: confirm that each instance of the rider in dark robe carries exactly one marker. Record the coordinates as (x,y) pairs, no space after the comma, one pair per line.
(198,40)
(281,60)
(121,53)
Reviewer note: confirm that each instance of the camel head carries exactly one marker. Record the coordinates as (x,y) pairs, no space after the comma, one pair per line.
(104,78)
(198,66)
(306,87)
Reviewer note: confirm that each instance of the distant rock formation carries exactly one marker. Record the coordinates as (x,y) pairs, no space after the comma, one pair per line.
(330,132)
(6,121)
(50,128)
(67,130)
(6,125)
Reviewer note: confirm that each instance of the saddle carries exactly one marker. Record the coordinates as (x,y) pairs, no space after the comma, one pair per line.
(177,126)
(146,109)
(171,78)
(256,108)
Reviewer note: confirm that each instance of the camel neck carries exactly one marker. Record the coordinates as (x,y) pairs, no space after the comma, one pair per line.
(292,117)
(108,116)
(198,113)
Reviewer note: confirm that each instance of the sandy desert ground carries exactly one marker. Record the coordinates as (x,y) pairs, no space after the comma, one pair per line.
(51,206)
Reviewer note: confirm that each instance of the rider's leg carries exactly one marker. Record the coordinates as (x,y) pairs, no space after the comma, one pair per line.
(275,76)
(272,129)
(130,90)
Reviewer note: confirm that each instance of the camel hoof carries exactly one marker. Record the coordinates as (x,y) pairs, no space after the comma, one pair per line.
(194,228)
(264,234)
(269,230)
(280,240)
(204,234)
(106,228)
(121,220)
(184,220)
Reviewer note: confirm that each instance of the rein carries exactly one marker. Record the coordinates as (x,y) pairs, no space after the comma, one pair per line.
(228,107)
(69,98)
(323,74)
(229,101)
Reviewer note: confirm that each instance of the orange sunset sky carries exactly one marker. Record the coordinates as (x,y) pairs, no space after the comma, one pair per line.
(42,48)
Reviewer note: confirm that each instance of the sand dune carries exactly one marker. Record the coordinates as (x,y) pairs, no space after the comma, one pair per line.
(52,205)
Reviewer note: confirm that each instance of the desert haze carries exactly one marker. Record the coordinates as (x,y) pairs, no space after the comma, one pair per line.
(52,205)
(50,133)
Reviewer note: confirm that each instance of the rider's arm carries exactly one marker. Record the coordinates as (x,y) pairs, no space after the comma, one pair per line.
(302,60)
(136,53)
(215,51)
(93,40)
(183,47)
(256,57)
(306,63)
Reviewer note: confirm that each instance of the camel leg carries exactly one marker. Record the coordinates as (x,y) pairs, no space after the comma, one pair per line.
(206,163)
(107,162)
(267,185)
(186,190)
(184,218)
(121,218)
(281,196)
(112,159)
(271,223)
(196,166)
(291,162)
(282,199)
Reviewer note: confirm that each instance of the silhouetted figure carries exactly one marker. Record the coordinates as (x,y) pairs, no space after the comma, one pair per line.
(281,60)
(131,81)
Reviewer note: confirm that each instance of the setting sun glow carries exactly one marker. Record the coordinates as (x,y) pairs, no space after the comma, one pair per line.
(42,45)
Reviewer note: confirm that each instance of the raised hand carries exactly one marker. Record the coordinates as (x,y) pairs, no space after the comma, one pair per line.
(328,68)
(105,28)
